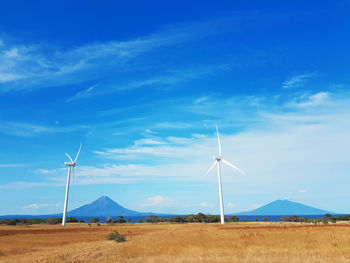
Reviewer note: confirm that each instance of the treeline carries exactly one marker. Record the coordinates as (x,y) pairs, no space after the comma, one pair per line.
(327,218)
(26,221)
(199,218)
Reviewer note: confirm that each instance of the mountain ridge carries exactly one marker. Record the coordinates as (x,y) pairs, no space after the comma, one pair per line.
(285,207)
(104,206)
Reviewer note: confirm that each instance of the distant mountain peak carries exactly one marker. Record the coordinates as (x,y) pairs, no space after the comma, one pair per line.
(104,199)
(103,206)
(285,207)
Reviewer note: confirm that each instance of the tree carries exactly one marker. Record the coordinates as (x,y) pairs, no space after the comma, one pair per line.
(153,218)
(72,220)
(94,220)
(244,219)
(327,217)
(234,218)
(120,220)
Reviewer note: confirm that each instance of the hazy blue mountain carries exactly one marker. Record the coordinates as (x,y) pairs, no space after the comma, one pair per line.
(104,206)
(285,207)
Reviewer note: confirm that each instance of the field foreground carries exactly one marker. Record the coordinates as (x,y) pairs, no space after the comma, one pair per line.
(177,243)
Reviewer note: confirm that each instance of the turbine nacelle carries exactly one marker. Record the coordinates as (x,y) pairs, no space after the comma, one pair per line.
(217,158)
(69,164)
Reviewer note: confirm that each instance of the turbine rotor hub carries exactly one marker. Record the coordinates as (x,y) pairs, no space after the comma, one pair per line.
(217,158)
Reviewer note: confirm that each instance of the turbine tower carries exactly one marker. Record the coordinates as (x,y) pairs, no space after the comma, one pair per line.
(218,159)
(71,166)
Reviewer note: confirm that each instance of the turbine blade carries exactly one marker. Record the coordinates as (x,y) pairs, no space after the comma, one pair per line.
(77,154)
(217,132)
(211,168)
(69,156)
(235,167)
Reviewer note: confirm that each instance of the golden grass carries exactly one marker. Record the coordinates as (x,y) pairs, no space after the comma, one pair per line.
(175,243)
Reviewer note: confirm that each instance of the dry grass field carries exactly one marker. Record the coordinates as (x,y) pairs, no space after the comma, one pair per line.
(175,243)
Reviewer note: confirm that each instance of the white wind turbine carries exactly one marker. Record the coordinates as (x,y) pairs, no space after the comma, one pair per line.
(71,166)
(218,159)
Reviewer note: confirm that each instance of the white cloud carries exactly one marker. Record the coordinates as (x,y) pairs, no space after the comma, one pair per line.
(206,205)
(149,141)
(25,185)
(164,80)
(315,100)
(45,171)
(82,94)
(29,66)
(296,81)
(12,53)
(40,206)
(232,206)
(24,129)
(157,201)
(10,165)
(7,77)
(302,191)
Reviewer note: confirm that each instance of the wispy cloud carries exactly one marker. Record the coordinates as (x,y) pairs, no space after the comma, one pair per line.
(158,201)
(206,205)
(36,206)
(232,206)
(163,81)
(11,165)
(30,66)
(25,185)
(297,81)
(315,100)
(24,129)
(45,171)
(83,94)
(27,66)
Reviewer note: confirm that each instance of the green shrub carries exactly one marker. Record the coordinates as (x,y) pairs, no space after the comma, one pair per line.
(116,237)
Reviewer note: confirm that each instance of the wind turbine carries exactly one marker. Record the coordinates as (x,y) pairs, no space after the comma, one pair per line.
(71,166)
(218,159)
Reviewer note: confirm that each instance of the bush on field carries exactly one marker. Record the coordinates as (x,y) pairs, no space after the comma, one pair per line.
(116,237)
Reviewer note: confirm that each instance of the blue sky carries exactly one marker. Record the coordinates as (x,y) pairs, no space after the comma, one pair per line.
(142,85)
